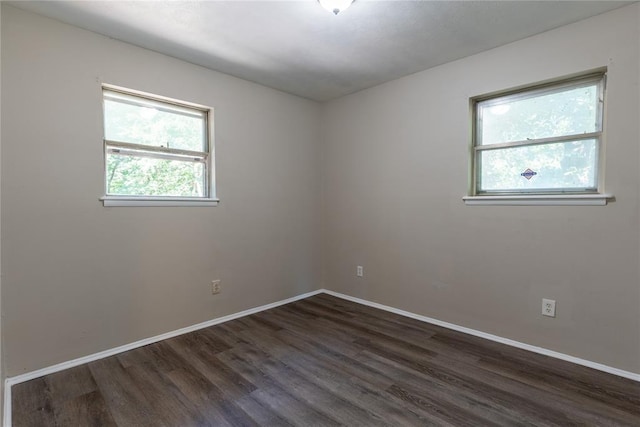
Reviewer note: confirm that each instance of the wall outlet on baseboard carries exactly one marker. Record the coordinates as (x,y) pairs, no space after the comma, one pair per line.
(215,287)
(549,307)
(359,271)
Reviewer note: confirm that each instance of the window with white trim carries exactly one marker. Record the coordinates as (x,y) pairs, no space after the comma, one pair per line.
(544,140)
(155,149)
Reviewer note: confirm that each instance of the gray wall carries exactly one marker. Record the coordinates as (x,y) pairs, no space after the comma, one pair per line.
(80,278)
(2,370)
(395,168)
(638,121)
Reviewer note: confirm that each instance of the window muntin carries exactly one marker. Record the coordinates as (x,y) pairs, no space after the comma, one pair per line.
(539,141)
(155,148)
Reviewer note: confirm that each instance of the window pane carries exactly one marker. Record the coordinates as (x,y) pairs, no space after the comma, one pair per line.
(146,176)
(566,165)
(568,112)
(153,123)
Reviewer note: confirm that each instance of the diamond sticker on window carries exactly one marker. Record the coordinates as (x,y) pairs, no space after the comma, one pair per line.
(529,174)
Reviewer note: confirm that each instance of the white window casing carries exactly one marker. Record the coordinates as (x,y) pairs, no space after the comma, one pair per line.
(130,134)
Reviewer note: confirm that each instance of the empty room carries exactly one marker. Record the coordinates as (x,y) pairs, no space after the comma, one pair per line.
(320,213)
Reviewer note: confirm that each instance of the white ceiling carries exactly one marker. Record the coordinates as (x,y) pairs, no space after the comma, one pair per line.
(300,48)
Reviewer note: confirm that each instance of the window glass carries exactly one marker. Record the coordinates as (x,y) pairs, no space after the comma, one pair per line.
(563,165)
(146,176)
(138,121)
(541,140)
(568,112)
(154,148)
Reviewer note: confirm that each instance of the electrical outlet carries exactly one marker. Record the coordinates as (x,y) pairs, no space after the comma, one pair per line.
(215,287)
(549,307)
(359,271)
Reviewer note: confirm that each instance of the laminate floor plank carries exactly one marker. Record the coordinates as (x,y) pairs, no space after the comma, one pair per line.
(208,365)
(202,341)
(583,395)
(330,338)
(209,400)
(394,327)
(30,396)
(623,394)
(360,311)
(443,392)
(434,407)
(166,400)
(325,361)
(126,402)
(310,391)
(368,393)
(344,361)
(365,333)
(89,410)
(160,355)
(501,393)
(291,409)
(396,333)
(70,383)
(261,414)
(32,402)
(530,408)
(282,401)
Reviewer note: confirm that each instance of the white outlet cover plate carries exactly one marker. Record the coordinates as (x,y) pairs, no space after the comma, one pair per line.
(215,286)
(549,307)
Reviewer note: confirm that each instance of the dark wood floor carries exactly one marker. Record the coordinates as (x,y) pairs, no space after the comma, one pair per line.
(324,361)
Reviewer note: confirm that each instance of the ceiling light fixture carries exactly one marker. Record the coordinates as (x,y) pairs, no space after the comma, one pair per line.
(335,6)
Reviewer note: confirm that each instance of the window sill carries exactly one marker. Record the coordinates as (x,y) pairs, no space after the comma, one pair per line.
(156,201)
(540,200)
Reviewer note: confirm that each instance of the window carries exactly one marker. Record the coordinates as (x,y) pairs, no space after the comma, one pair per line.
(544,140)
(157,152)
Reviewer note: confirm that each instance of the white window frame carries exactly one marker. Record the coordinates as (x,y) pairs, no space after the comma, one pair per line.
(119,147)
(585,196)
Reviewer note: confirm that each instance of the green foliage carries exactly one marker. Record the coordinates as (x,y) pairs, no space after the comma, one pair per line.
(143,176)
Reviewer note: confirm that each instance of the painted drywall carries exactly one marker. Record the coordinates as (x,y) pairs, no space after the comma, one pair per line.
(395,169)
(2,370)
(638,121)
(78,277)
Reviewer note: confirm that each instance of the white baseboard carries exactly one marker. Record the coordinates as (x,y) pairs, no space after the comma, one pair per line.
(113,351)
(491,337)
(9,382)
(6,419)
